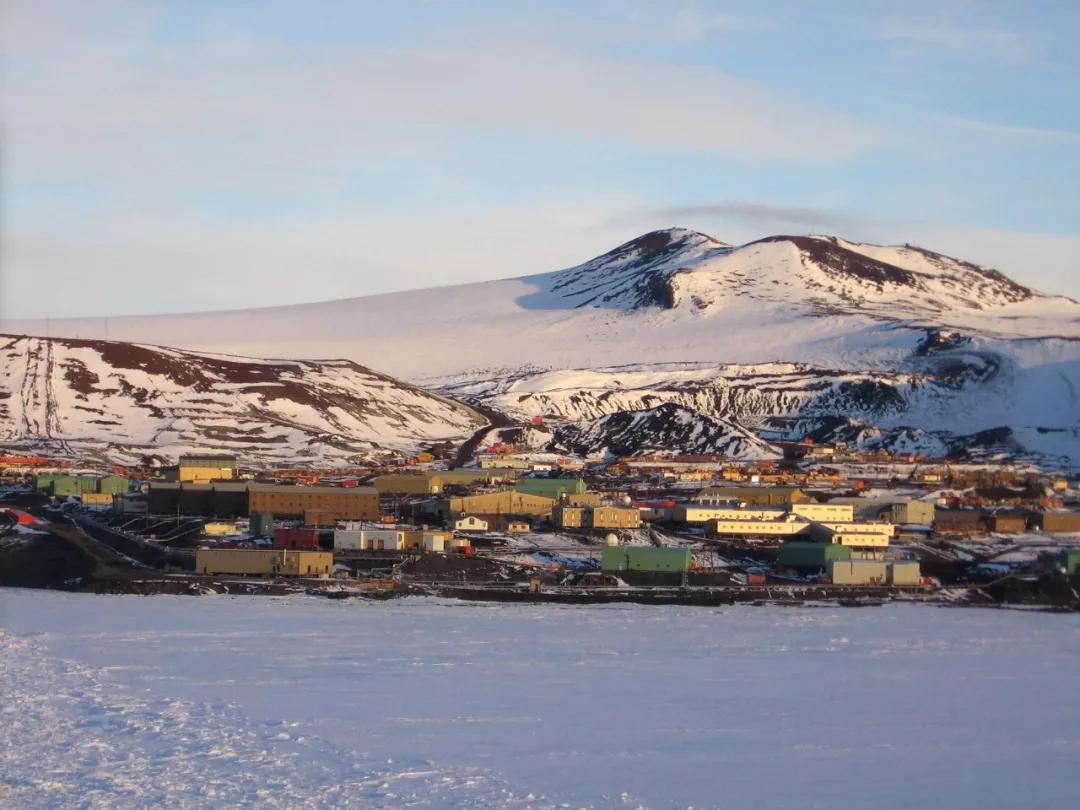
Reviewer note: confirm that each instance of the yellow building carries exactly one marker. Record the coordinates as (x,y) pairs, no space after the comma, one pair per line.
(690,513)
(568,517)
(409,484)
(857,535)
(429,539)
(595,517)
(263,562)
(858,572)
(702,513)
(612,517)
(97,498)
(504,462)
(785,527)
(504,502)
(219,528)
(691,475)
(840,512)
(199,469)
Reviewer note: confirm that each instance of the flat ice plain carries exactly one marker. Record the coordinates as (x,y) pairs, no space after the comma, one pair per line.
(127,701)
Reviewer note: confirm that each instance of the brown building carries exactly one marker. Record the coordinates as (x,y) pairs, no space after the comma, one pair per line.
(959,521)
(315,505)
(435,481)
(595,517)
(1063,522)
(1007,523)
(753,496)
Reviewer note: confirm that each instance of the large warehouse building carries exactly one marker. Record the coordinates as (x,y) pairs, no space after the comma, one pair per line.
(317,506)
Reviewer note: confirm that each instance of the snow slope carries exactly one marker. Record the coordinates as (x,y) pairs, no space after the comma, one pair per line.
(124,401)
(844,328)
(126,701)
(669,296)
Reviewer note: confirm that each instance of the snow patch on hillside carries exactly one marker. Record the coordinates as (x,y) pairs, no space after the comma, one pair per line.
(125,400)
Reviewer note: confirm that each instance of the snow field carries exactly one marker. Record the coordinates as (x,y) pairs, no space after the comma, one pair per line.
(301,702)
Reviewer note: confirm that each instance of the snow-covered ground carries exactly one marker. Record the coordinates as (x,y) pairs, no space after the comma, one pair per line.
(128,701)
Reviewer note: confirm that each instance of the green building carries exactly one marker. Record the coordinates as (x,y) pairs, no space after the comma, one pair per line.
(43,481)
(646,558)
(66,486)
(797,554)
(113,485)
(1067,561)
(63,485)
(550,487)
(911,512)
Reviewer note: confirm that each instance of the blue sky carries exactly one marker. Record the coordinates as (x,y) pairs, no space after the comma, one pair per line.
(186,156)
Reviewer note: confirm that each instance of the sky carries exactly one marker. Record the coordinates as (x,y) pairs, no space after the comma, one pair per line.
(185,156)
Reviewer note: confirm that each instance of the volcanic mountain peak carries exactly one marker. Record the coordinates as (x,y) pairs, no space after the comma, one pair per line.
(635,274)
(677,268)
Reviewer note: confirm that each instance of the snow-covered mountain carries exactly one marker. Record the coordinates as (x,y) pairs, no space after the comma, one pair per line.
(743,305)
(678,269)
(897,346)
(123,402)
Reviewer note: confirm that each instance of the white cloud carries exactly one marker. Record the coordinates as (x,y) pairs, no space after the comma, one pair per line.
(762,217)
(118,93)
(1013,133)
(959,38)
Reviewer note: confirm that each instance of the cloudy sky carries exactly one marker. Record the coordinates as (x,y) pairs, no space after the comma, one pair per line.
(175,156)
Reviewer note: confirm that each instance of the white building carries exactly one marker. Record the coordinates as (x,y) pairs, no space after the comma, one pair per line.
(369,540)
(470,523)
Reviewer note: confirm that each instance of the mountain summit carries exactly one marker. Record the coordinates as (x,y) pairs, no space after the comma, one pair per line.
(680,268)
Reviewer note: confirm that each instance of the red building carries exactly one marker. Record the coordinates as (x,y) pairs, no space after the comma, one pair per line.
(300,539)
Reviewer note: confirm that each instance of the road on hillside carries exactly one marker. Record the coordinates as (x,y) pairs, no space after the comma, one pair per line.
(466,451)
